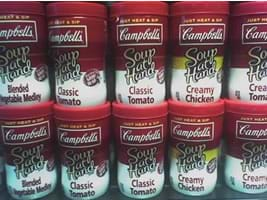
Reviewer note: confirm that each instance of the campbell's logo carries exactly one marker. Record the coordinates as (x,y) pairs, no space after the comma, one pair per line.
(201,34)
(251,130)
(141,135)
(193,132)
(18,31)
(254,33)
(68,36)
(79,138)
(139,34)
(26,134)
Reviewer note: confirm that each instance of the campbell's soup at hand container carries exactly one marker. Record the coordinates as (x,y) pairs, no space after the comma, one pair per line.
(27,135)
(140,135)
(77,42)
(83,138)
(139,41)
(24,76)
(195,134)
(245,167)
(248,45)
(198,36)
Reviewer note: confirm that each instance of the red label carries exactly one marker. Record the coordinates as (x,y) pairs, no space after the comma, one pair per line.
(139,34)
(248,44)
(201,34)
(68,36)
(141,144)
(84,147)
(15,31)
(79,138)
(28,145)
(254,33)
(193,132)
(251,130)
(141,136)
(26,134)
(246,136)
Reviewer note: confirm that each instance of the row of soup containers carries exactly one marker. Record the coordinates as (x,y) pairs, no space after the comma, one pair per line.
(193,133)
(77,38)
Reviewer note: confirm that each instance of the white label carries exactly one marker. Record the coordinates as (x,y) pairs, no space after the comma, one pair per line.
(77,93)
(25,90)
(39,183)
(145,91)
(205,90)
(193,177)
(249,181)
(147,185)
(87,186)
(239,87)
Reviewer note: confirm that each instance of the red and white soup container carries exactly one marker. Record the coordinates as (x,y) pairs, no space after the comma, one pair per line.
(248,46)
(83,138)
(24,76)
(195,135)
(198,36)
(77,34)
(246,151)
(140,136)
(139,35)
(27,136)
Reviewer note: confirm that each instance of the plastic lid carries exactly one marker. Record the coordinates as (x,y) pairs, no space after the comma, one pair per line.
(21,7)
(27,111)
(249,8)
(236,106)
(76,9)
(140,7)
(139,112)
(189,109)
(82,113)
(199,7)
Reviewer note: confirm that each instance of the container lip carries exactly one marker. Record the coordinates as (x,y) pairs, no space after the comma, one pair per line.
(249,8)
(237,106)
(201,110)
(139,8)
(82,113)
(139,112)
(22,7)
(87,9)
(199,7)
(27,111)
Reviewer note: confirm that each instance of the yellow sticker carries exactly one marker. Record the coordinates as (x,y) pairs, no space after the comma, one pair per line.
(180,62)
